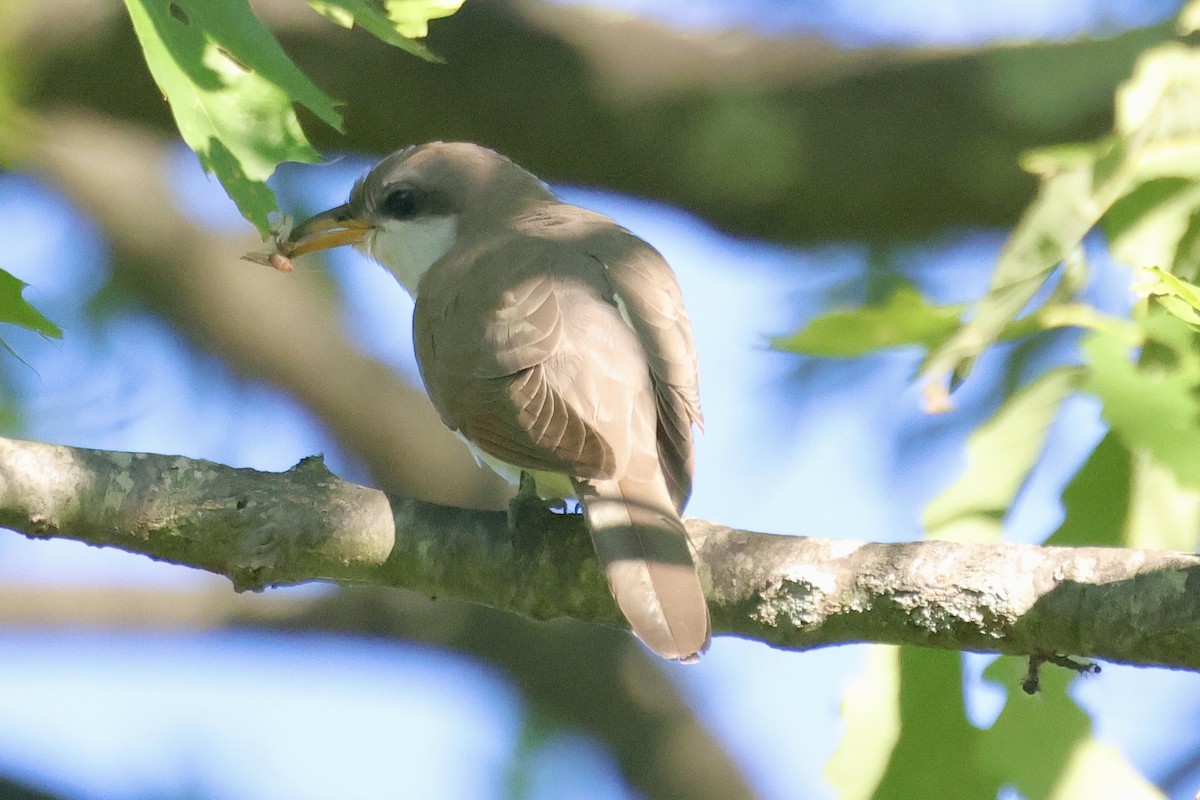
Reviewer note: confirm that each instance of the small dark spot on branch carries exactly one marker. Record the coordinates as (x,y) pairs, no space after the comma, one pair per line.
(178,13)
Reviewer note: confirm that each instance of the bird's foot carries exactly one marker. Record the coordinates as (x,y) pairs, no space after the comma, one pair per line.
(527,509)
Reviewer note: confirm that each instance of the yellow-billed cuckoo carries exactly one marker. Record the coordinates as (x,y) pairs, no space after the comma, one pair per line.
(555,342)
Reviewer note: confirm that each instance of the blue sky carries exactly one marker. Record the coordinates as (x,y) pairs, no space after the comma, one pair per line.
(912,23)
(792,445)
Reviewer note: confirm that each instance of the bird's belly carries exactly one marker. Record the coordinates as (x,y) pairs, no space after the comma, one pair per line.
(550,485)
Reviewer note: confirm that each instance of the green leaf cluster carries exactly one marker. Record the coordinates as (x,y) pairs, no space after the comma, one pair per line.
(1140,187)
(907,734)
(233,90)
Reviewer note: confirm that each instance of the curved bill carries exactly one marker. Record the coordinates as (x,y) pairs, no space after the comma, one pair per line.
(332,228)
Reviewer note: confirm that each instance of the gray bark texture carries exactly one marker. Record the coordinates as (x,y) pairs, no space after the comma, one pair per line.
(268,529)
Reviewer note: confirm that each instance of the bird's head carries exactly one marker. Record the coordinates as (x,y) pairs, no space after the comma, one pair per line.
(413,206)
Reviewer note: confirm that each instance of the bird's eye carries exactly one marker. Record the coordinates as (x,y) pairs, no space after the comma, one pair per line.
(400,204)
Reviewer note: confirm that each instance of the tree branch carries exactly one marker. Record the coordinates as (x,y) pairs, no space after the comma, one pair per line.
(267,529)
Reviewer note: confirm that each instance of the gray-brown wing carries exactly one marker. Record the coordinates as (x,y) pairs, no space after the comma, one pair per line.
(647,287)
(524,353)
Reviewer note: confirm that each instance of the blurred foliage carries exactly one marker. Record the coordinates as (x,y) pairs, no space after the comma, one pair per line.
(233,91)
(907,735)
(905,318)
(1140,186)
(1000,455)
(14,309)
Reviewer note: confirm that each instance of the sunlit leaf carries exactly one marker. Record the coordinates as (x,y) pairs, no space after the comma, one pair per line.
(398,22)
(1146,173)
(935,753)
(1000,455)
(1152,405)
(906,733)
(1145,227)
(1180,309)
(871,716)
(1052,226)
(411,17)
(231,88)
(1171,285)
(1032,740)
(903,319)
(1044,748)
(1096,501)
(1164,514)
(1189,18)
(906,319)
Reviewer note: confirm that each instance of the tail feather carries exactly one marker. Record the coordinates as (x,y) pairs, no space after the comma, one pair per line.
(643,547)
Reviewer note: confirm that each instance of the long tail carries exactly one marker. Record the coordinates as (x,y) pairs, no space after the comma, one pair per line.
(643,547)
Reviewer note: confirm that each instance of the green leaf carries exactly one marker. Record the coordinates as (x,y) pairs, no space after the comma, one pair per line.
(1128,499)
(1163,513)
(871,716)
(398,23)
(1189,19)
(231,88)
(16,310)
(935,754)
(1171,286)
(1145,226)
(1044,748)
(411,17)
(1153,404)
(1155,141)
(903,319)
(907,734)
(1000,455)
(1096,501)
(1051,228)
(1180,309)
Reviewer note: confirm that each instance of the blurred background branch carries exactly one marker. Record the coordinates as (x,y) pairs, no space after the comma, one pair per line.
(629,704)
(793,140)
(267,326)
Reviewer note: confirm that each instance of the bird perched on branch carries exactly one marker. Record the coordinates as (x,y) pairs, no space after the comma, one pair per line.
(555,342)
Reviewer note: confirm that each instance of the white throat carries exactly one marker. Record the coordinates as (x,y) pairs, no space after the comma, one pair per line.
(408,248)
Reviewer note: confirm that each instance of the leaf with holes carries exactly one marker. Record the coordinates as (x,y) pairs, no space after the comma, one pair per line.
(231,88)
